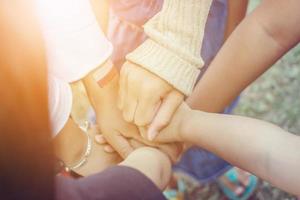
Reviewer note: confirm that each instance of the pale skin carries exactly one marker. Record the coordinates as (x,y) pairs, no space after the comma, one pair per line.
(71,150)
(236,13)
(256,146)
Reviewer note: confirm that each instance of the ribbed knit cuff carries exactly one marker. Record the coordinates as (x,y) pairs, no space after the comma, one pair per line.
(166,64)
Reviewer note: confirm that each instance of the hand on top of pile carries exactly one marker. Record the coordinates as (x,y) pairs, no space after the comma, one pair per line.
(145,99)
(118,132)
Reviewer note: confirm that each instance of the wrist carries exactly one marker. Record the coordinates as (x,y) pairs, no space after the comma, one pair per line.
(185,126)
(157,168)
(70,151)
(190,126)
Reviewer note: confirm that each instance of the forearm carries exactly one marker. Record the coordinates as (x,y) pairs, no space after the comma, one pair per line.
(69,150)
(104,83)
(236,12)
(101,10)
(251,49)
(259,147)
(172,50)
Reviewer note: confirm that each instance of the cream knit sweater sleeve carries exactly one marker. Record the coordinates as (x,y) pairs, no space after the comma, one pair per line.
(175,38)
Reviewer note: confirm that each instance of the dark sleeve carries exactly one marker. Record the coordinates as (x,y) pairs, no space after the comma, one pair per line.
(115,183)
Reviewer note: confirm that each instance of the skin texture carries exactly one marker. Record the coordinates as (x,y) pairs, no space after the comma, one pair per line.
(236,13)
(143,96)
(101,10)
(113,127)
(264,149)
(71,150)
(152,163)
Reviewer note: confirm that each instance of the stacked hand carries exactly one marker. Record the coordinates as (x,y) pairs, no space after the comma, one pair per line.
(116,131)
(145,99)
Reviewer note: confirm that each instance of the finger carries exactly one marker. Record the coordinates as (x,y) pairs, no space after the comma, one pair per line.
(146,110)
(108,149)
(164,115)
(122,86)
(131,101)
(120,144)
(136,144)
(100,139)
(172,150)
(129,108)
(143,131)
(146,142)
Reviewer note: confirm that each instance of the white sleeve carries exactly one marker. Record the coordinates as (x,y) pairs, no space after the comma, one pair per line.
(60,103)
(75,44)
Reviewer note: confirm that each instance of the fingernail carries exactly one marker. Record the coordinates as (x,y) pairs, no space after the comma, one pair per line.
(108,149)
(151,134)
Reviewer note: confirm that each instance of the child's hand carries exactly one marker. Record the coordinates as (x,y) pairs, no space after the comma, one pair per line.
(173,150)
(109,119)
(174,132)
(152,163)
(145,98)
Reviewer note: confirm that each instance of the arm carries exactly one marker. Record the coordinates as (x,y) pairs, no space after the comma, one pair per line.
(259,41)
(141,176)
(165,67)
(256,146)
(70,145)
(114,128)
(236,13)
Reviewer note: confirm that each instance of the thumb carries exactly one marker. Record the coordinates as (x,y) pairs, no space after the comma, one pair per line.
(165,113)
(120,144)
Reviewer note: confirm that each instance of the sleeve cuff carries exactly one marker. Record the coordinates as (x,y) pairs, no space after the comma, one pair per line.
(166,64)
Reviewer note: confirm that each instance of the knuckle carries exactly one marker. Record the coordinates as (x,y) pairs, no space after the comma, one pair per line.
(124,151)
(127,117)
(140,121)
(162,124)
